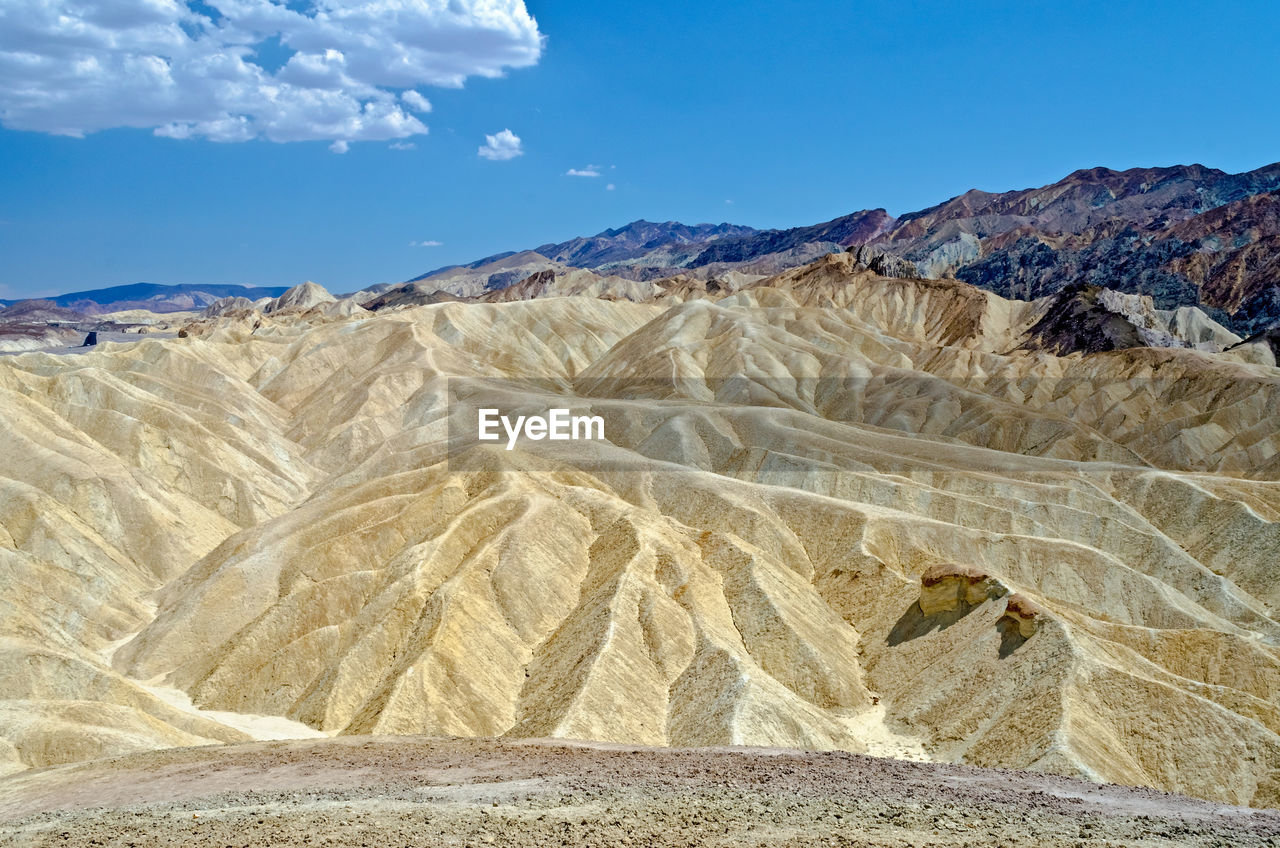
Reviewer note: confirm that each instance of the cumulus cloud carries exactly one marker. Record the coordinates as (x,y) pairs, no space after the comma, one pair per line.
(233,70)
(340,146)
(503,145)
(589,171)
(415,101)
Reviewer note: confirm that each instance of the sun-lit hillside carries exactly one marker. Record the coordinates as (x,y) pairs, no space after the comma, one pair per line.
(832,510)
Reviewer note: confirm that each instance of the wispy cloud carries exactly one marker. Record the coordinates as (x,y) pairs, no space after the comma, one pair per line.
(501,146)
(340,146)
(188,69)
(403,145)
(427,243)
(589,171)
(610,187)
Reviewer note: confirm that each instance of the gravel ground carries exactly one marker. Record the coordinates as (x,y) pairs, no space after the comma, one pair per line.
(387,792)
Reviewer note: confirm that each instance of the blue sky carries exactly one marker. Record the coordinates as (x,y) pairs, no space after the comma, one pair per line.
(765,114)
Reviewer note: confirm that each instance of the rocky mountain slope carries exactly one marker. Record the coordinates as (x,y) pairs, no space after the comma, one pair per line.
(637,239)
(617,245)
(1185,235)
(833,510)
(39,311)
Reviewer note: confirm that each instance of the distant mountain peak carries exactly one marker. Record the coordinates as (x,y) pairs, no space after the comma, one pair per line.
(156,298)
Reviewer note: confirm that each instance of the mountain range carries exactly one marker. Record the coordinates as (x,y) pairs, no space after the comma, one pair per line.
(152,297)
(1186,235)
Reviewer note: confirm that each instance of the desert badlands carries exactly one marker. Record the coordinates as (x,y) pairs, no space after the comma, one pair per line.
(833,514)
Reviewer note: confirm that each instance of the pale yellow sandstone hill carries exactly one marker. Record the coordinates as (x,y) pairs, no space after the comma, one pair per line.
(832,511)
(302,296)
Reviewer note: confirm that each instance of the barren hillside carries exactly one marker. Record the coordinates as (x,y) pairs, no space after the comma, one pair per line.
(832,511)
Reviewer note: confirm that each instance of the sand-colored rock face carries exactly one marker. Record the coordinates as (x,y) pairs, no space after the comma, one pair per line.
(831,511)
(945,587)
(302,296)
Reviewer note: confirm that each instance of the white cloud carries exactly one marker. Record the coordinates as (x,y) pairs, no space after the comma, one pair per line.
(403,145)
(589,171)
(189,69)
(610,187)
(415,101)
(503,145)
(340,146)
(427,243)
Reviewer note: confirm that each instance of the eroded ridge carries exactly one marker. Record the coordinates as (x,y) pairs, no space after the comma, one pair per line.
(832,511)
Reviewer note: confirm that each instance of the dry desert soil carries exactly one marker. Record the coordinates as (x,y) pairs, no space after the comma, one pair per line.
(389,791)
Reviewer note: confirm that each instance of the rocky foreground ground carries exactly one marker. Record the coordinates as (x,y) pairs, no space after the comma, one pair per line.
(414,791)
